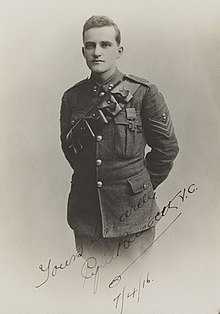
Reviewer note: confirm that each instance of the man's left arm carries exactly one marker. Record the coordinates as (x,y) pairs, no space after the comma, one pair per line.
(65,126)
(160,136)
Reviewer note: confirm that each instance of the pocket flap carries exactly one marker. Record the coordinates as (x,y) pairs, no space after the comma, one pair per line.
(139,183)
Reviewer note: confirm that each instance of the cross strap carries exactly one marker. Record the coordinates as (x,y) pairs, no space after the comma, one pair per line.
(115,100)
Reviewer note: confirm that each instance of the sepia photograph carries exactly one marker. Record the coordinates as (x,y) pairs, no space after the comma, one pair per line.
(110,119)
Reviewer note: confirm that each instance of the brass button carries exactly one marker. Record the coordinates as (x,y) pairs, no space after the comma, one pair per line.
(93,114)
(101,94)
(98,162)
(99,184)
(99,138)
(109,101)
(144,185)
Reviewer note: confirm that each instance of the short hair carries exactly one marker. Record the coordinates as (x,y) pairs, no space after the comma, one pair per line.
(101,21)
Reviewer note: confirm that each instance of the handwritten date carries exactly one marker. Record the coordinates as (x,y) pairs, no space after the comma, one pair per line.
(133,294)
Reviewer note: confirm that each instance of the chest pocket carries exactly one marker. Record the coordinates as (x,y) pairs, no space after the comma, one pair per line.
(128,137)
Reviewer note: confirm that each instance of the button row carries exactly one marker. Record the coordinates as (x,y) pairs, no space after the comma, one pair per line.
(99,161)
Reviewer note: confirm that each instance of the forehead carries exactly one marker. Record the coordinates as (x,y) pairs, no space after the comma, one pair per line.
(97,34)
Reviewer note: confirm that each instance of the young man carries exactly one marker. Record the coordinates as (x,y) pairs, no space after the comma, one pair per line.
(106,122)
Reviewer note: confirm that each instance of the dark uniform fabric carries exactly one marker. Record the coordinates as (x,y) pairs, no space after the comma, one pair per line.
(112,189)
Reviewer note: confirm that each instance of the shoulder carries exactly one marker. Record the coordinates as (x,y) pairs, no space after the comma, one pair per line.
(136,80)
(75,88)
(151,88)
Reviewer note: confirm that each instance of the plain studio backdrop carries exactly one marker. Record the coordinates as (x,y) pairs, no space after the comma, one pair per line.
(175,44)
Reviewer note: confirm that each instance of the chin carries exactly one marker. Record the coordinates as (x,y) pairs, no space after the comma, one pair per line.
(95,70)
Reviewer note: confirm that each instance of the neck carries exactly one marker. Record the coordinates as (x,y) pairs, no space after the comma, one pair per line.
(105,76)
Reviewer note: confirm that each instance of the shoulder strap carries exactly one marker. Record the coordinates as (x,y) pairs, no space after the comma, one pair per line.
(137,80)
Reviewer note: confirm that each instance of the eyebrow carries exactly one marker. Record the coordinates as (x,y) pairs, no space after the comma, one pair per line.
(89,42)
(94,43)
(106,42)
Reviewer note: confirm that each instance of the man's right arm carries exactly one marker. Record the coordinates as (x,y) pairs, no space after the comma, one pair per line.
(65,126)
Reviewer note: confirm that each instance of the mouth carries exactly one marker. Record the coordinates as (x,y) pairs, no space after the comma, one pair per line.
(97,61)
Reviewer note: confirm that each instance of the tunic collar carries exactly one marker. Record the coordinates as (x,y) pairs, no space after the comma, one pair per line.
(107,85)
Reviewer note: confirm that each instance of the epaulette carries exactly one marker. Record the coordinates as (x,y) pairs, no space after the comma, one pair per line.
(80,82)
(136,79)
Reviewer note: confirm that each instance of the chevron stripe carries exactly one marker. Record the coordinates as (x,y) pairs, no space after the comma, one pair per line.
(162,128)
(161,122)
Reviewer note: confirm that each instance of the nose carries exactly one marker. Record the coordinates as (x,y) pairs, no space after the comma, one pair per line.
(97,51)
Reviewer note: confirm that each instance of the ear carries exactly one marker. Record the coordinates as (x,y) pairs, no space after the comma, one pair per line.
(83,52)
(120,52)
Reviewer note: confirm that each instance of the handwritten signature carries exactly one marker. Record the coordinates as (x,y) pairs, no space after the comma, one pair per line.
(128,213)
(52,270)
(91,267)
(182,194)
(143,200)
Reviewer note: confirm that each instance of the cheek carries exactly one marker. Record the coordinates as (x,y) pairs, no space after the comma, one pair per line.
(87,54)
(111,57)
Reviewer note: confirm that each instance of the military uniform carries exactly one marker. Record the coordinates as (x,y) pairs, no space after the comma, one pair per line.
(105,129)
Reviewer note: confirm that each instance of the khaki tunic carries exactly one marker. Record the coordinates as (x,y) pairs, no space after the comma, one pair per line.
(113,184)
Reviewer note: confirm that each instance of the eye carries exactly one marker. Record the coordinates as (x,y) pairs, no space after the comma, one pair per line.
(105,44)
(89,45)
